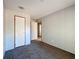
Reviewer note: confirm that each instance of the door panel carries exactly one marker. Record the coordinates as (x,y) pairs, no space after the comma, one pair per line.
(19,31)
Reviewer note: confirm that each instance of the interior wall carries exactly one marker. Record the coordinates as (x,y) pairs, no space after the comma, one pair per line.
(58,29)
(34,30)
(9,28)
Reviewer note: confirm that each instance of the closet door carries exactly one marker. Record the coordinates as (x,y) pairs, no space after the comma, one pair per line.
(19,31)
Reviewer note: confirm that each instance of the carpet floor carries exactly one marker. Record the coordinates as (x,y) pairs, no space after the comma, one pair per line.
(38,50)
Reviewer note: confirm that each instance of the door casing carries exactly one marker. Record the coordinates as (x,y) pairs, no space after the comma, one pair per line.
(15,29)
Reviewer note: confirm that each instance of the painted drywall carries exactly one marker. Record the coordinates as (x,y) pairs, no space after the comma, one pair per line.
(58,29)
(9,28)
(34,30)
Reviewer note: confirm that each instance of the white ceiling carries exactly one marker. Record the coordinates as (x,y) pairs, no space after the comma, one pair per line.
(38,8)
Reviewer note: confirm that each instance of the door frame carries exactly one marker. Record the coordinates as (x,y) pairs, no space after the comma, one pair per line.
(38,29)
(15,29)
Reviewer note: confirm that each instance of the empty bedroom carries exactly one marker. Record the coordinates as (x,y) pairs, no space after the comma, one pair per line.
(39,29)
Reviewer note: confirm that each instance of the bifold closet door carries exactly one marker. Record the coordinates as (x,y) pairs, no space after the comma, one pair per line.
(19,31)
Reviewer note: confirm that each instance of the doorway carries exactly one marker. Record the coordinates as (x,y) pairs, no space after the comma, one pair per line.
(19,31)
(36,30)
(39,31)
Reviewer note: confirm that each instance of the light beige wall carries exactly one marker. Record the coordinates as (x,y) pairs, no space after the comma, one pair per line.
(58,29)
(9,28)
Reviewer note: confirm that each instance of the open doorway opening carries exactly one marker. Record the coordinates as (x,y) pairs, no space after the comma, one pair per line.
(39,30)
(36,30)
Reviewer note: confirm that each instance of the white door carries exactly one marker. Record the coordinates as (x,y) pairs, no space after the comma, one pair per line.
(19,31)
